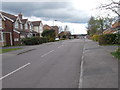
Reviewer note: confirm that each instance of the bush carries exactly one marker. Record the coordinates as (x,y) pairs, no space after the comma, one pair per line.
(34,41)
(95,37)
(109,39)
(44,39)
(49,34)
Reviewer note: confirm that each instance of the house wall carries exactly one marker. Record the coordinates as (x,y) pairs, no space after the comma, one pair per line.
(36,28)
(3,24)
(8,28)
(16,38)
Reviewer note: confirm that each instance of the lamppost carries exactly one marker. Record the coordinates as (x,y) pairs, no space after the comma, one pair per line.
(53,21)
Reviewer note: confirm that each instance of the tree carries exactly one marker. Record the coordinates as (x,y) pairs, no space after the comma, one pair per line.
(98,25)
(92,26)
(49,34)
(113,6)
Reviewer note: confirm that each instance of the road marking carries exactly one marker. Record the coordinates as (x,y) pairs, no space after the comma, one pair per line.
(47,53)
(81,70)
(81,74)
(15,71)
(60,46)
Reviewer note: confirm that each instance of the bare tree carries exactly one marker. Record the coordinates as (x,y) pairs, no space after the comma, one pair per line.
(113,5)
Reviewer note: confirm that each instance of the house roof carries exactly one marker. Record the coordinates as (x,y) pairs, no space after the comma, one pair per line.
(55,27)
(24,21)
(47,27)
(36,23)
(108,31)
(10,16)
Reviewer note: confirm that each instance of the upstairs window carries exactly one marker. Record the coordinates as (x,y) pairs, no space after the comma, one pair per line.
(30,27)
(21,27)
(0,22)
(16,25)
(26,26)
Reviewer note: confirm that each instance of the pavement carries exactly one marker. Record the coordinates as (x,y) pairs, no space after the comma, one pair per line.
(100,69)
(76,63)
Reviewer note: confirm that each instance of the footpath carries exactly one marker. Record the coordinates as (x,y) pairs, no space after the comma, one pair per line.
(100,68)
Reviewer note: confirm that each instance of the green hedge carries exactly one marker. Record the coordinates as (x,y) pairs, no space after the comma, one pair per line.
(34,40)
(109,39)
(95,37)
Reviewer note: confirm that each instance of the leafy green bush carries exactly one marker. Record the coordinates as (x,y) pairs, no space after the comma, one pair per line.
(34,41)
(109,39)
(49,34)
(44,39)
(95,37)
(116,53)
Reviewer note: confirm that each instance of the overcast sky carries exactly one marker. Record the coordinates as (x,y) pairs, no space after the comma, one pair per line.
(74,13)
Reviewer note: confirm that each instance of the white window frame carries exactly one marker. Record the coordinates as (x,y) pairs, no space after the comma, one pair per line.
(16,25)
(21,26)
(0,23)
(16,39)
(26,26)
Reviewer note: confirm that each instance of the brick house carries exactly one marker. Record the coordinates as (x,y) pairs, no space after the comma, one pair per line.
(14,28)
(56,28)
(114,29)
(6,31)
(116,25)
(47,27)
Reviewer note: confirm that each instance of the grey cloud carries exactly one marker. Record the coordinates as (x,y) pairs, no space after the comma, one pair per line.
(62,11)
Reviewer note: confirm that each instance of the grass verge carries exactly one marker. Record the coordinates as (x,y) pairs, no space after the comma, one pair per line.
(8,50)
(116,54)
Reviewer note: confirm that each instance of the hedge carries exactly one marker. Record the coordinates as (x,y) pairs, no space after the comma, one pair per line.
(34,40)
(109,39)
(95,37)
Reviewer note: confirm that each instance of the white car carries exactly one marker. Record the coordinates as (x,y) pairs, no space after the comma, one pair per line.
(57,38)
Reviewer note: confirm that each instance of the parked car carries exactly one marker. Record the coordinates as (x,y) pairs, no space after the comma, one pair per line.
(57,39)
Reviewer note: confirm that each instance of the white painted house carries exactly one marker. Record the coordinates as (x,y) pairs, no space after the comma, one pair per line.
(38,27)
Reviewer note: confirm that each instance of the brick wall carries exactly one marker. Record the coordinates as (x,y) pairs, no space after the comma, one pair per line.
(8,28)
(16,38)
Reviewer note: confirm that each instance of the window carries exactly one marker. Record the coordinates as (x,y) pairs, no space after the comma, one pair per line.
(21,27)
(1,37)
(0,22)
(30,27)
(16,24)
(21,36)
(16,39)
(26,26)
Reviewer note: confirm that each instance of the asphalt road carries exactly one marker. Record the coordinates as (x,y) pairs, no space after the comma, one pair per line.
(51,65)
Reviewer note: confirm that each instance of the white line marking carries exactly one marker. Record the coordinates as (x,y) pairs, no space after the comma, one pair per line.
(81,70)
(60,46)
(81,74)
(47,53)
(15,71)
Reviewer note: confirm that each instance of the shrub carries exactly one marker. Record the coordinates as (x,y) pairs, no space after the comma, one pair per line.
(109,39)
(49,34)
(34,41)
(95,37)
(44,39)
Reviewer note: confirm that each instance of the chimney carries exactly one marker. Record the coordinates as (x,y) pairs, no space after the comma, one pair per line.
(20,15)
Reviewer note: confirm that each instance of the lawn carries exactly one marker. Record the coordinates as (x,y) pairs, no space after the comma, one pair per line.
(116,54)
(8,50)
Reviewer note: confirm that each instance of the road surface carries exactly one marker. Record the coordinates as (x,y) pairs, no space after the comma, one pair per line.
(52,65)
(74,63)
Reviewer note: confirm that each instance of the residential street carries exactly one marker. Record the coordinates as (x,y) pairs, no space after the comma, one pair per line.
(76,63)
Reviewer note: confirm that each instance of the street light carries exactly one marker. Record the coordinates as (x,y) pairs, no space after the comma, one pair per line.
(53,21)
